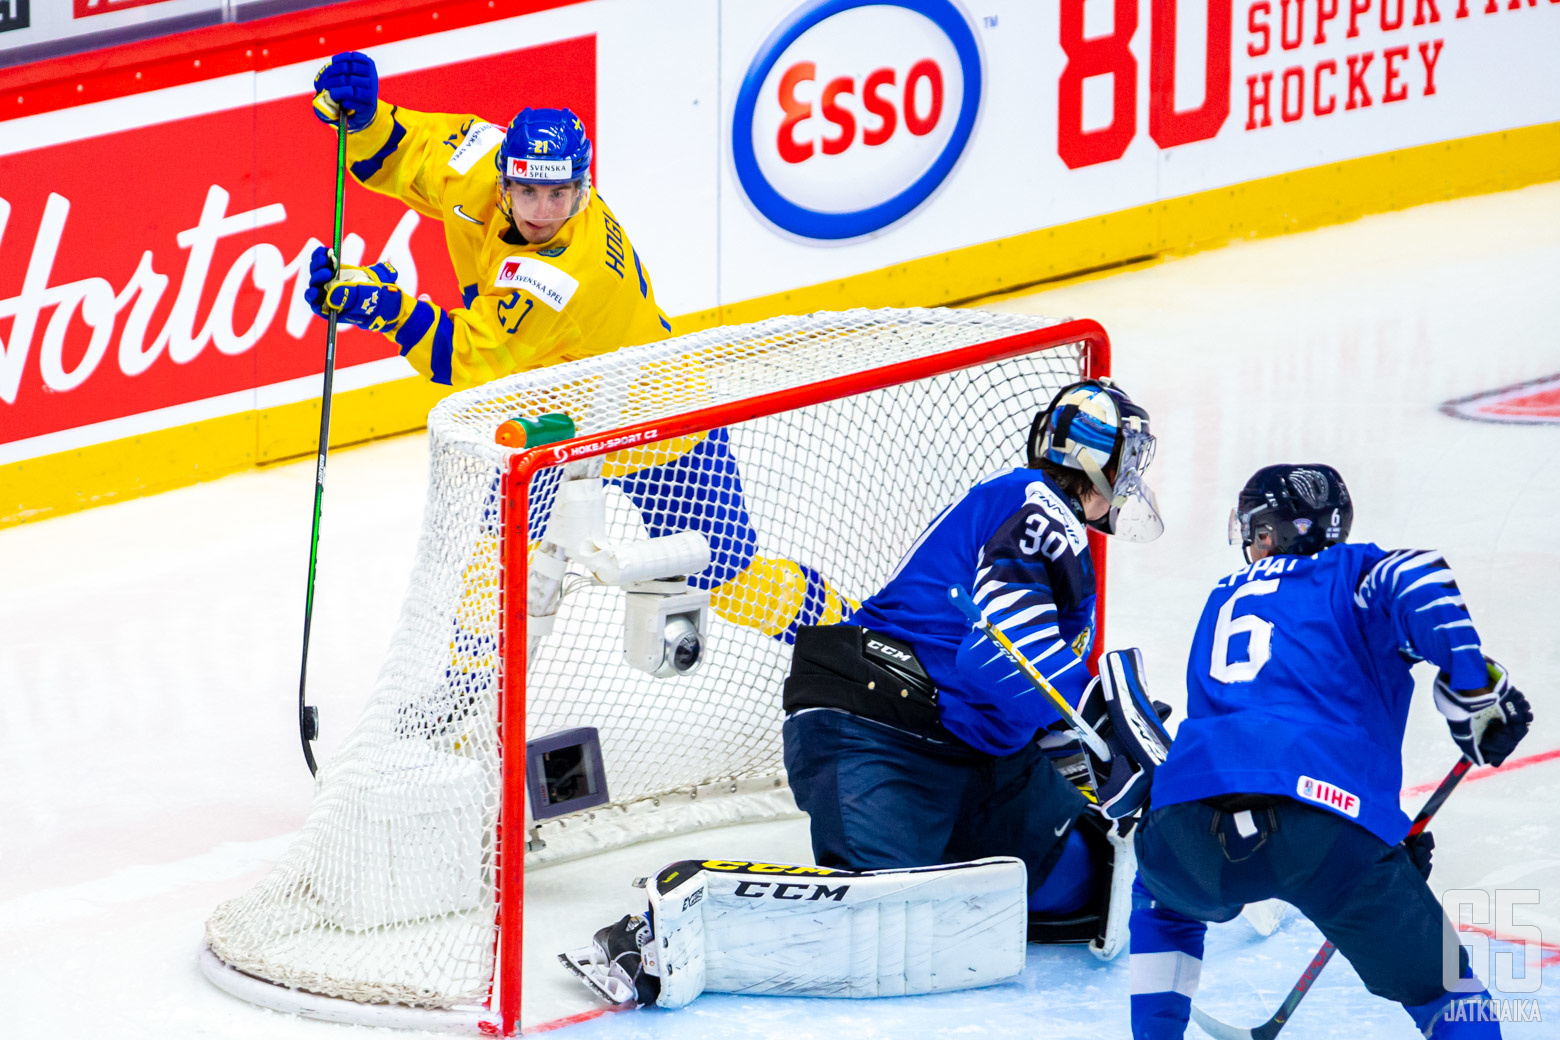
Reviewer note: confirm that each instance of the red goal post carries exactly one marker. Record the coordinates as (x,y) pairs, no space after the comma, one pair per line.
(810,451)
(525,464)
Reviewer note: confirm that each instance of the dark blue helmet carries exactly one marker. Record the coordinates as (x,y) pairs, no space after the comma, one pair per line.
(1302,508)
(545,146)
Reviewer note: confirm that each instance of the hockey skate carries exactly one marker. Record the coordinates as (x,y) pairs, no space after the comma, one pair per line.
(613,966)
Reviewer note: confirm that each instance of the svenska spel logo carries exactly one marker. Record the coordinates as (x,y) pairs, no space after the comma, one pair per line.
(853,112)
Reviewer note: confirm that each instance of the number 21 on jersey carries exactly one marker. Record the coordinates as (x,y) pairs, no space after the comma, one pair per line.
(1259,645)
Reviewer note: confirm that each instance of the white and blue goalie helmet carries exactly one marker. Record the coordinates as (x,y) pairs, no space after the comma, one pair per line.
(1094,427)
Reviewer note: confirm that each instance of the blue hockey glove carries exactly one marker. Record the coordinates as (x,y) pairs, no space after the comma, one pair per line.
(1487,724)
(350,81)
(1419,848)
(363,296)
(1117,705)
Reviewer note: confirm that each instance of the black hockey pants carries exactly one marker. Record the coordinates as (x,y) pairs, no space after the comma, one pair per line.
(1366,896)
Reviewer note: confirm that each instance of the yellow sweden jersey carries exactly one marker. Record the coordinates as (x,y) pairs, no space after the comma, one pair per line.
(583,292)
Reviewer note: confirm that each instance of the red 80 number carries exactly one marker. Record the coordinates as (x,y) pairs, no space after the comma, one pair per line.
(1111,55)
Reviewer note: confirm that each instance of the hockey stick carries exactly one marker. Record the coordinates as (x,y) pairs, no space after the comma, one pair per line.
(1269,1029)
(1086,733)
(308,715)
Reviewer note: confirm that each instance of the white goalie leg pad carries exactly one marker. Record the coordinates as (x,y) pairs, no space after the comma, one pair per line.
(1118,907)
(772,928)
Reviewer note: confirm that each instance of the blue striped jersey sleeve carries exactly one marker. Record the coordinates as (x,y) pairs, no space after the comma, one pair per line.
(1021,573)
(1418,592)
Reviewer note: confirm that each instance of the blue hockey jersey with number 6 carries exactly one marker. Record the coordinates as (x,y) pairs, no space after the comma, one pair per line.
(1298,682)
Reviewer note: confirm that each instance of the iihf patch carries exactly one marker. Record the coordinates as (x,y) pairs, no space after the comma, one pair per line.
(1536,402)
(1329,795)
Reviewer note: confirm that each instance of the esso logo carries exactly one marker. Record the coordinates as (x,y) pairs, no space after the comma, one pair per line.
(854,112)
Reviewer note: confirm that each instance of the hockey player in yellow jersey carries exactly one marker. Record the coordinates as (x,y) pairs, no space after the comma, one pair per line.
(545,269)
(548,275)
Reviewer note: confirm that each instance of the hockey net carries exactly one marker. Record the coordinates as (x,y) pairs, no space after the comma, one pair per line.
(812,449)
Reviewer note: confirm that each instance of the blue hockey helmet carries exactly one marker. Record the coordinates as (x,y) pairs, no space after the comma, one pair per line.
(1094,427)
(1301,508)
(544,148)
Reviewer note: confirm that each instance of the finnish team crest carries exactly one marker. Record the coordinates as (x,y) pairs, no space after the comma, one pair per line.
(1536,402)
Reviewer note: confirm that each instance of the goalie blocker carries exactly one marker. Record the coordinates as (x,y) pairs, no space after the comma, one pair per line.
(783,930)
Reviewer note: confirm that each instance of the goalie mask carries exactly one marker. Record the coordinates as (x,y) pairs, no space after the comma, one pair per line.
(1093,426)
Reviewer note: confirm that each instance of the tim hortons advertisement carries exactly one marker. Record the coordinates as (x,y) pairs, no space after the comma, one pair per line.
(157,266)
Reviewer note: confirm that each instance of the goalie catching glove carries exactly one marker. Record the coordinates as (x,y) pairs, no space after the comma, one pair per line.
(1487,724)
(1117,705)
(783,930)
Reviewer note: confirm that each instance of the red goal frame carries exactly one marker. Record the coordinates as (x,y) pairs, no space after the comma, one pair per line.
(514,562)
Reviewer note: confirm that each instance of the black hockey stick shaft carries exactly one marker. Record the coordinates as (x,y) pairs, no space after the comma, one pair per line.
(1269,1029)
(308,716)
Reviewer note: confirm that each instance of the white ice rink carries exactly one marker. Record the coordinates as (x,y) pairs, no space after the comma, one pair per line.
(149,762)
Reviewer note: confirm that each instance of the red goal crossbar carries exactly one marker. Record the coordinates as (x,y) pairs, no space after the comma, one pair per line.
(515,564)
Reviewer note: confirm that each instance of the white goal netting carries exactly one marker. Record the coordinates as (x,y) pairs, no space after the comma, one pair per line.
(388,894)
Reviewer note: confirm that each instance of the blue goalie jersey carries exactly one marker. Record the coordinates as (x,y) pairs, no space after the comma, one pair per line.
(1298,682)
(1013,542)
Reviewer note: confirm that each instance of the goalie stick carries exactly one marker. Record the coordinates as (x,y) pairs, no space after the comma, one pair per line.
(1269,1029)
(961,599)
(308,715)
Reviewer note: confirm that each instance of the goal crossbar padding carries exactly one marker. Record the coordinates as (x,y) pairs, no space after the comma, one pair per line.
(843,434)
(783,930)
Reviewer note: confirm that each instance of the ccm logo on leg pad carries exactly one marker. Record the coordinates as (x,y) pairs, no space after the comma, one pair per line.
(789,890)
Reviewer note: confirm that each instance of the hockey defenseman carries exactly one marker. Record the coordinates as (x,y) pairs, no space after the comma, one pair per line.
(547,275)
(1284,778)
(912,741)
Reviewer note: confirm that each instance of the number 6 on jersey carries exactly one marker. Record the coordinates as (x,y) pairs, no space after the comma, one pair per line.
(1258,648)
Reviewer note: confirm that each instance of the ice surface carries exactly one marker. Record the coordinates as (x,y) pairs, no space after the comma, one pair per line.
(149,765)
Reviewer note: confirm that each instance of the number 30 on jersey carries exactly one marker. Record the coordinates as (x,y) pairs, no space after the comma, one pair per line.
(1050,546)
